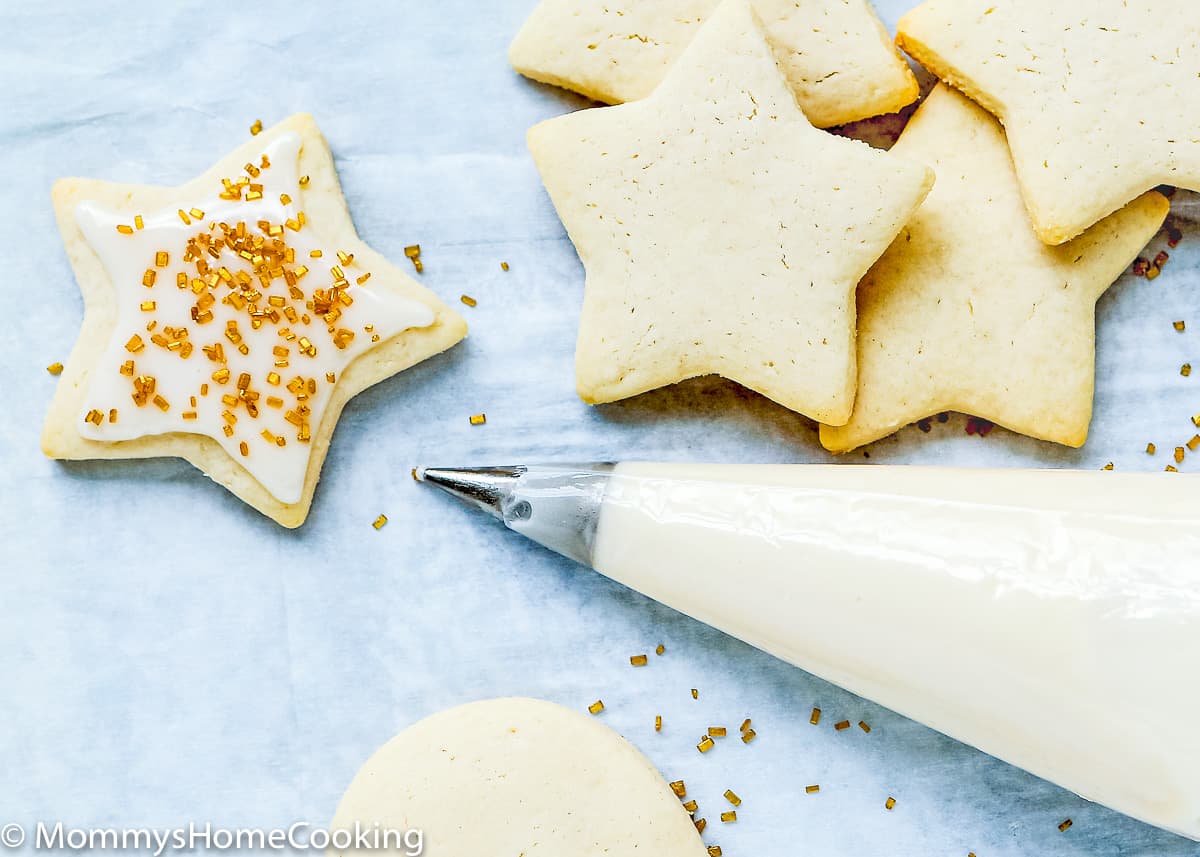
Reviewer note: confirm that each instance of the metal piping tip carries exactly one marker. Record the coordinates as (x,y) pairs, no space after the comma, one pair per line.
(485,488)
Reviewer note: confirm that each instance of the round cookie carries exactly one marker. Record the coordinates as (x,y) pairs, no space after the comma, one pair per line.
(518,776)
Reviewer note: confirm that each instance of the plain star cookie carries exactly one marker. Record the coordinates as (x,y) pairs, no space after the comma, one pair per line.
(518,776)
(836,54)
(720,231)
(968,310)
(228,321)
(1097,96)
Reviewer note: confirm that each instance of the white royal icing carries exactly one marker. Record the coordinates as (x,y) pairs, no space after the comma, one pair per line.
(281,470)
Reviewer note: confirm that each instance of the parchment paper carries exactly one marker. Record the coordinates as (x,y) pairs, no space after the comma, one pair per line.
(167,655)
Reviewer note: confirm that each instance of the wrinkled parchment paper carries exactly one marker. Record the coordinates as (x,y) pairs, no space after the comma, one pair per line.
(168,655)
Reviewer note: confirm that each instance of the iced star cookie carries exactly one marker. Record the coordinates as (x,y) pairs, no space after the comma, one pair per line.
(518,776)
(720,231)
(836,54)
(229,320)
(968,310)
(1098,97)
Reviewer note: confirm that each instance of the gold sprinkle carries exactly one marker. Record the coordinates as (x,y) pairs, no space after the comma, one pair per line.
(379,522)
(187,221)
(864,726)
(889,804)
(161,403)
(748,736)
(717,731)
(811,790)
(1194,443)
(1179,325)
(596,707)
(1151,449)
(94,417)
(679,788)
(638,660)
(419,265)
(245,450)
(691,806)
(161,258)
(1179,453)
(729,816)
(700,825)
(125,229)
(284,199)
(695,693)
(1185,369)
(706,744)
(815,718)
(714,851)
(112,415)
(256,128)
(412,251)
(127,368)
(274,402)
(196,213)
(331,377)
(149,277)
(504,266)
(1065,826)
(135,344)
(189,415)
(138,223)
(732,798)
(658,723)
(55,368)
(477,419)
(303,181)
(149,306)
(745,725)
(363,278)
(659,649)
(1108,466)
(841,724)
(468,300)
(1170,468)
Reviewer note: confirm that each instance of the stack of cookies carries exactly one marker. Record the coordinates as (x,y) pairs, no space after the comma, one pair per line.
(723,232)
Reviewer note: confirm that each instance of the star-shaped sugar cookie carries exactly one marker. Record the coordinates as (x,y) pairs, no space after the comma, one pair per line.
(720,231)
(836,54)
(1098,97)
(229,320)
(968,310)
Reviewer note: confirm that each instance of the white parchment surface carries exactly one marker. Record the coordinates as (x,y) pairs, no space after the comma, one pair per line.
(167,655)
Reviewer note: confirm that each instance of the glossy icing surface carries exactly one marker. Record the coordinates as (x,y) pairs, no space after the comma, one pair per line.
(238,332)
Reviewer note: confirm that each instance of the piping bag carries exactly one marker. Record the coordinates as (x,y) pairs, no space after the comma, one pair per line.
(1048,618)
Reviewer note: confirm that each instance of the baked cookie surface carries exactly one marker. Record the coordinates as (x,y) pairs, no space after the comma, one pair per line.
(720,231)
(1097,96)
(968,310)
(836,54)
(229,320)
(519,776)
